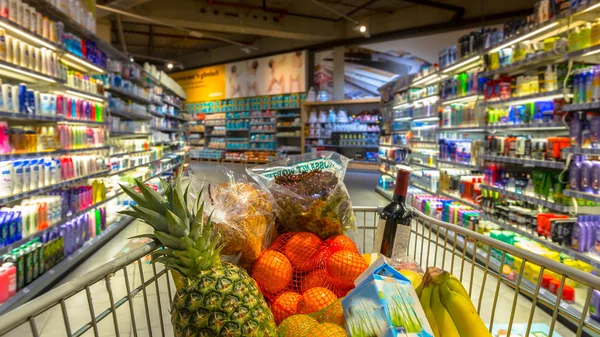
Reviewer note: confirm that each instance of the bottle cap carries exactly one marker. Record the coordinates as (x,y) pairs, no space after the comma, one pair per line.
(402,178)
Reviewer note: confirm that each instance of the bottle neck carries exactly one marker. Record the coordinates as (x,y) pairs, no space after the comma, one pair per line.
(399,199)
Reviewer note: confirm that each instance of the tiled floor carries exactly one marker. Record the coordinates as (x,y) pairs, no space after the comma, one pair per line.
(156,321)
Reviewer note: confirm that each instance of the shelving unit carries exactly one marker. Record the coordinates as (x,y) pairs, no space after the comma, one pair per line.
(89,133)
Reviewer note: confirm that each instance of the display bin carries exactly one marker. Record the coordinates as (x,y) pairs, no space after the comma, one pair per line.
(95,304)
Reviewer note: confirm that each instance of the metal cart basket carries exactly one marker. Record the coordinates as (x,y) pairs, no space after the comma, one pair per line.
(504,282)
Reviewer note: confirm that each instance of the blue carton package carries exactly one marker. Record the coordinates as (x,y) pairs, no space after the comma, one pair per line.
(384,304)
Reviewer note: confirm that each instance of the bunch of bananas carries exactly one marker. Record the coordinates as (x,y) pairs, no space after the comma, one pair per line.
(448,306)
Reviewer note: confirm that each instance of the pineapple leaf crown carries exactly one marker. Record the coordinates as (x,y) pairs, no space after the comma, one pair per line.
(190,245)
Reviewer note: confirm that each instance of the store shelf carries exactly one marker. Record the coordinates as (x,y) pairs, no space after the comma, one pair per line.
(355,131)
(466,129)
(288,136)
(541,127)
(69,90)
(582,107)
(462,99)
(260,150)
(422,165)
(237,130)
(459,199)
(458,164)
(9,156)
(582,195)
(128,95)
(129,153)
(588,151)
(426,119)
(387,173)
(391,161)
(171,104)
(423,188)
(256,131)
(585,257)
(53,275)
(129,115)
(545,96)
(170,130)
(526,64)
(370,147)
(345,101)
(384,193)
(524,162)
(38,191)
(534,200)
(129,134)
(25,117)
(262,141)
(289,116)
(112,173)
(25,74)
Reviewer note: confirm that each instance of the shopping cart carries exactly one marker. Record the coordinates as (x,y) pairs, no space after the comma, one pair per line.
(504,282)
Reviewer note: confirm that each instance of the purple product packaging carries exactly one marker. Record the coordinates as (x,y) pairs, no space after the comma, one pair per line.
(574,174)
(594,137)
(103,217)
(577,241)
(595,306)
(60,105)
(575,131)
(595,177)
(585,184)
(3,230)
(593,221)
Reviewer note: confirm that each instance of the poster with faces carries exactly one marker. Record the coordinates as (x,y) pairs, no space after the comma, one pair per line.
(272,75)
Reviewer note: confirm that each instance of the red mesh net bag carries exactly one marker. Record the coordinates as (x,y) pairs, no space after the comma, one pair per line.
(329,321)
(302,274)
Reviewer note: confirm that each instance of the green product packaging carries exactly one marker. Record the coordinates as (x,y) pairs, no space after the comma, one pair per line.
(28,265)
(35,260)
(42,262)
(20,259)
(98,219)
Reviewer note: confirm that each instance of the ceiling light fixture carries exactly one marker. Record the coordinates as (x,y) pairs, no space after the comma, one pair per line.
(358,27)
(131,59)
(170,65)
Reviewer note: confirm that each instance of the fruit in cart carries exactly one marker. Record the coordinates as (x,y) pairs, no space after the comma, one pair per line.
(243,215)
(465,318)
(445,301)
(302,250)
(216,298)
(344,267)
(285,306)
(414,277)
(341,242)
(314,279)
(328,330)
(273,271)
(443,320)
(296,326)
(425,300)
(333,313)
(315,299)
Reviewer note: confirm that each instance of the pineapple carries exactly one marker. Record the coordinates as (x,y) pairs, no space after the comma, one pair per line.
(214,298)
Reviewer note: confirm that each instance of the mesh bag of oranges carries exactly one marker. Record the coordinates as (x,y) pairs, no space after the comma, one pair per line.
(302,274)
(328,322)
(309,192)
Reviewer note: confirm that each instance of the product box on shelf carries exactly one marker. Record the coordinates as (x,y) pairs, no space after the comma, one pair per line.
(384,304)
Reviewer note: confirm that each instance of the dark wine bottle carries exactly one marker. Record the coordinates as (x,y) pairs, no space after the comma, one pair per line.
(396,218)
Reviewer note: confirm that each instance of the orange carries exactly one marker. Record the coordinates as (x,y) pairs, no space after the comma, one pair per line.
(314,279)
(301,249)
(315,299)
(285,305)
(341,242)
(328,330)
(344,267)
(272,271)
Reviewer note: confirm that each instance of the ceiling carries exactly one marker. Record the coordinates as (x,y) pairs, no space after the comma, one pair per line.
(223,27)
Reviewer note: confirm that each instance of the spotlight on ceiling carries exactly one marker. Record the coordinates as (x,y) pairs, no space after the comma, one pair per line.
(362,29)
(170,65)
(131,59)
